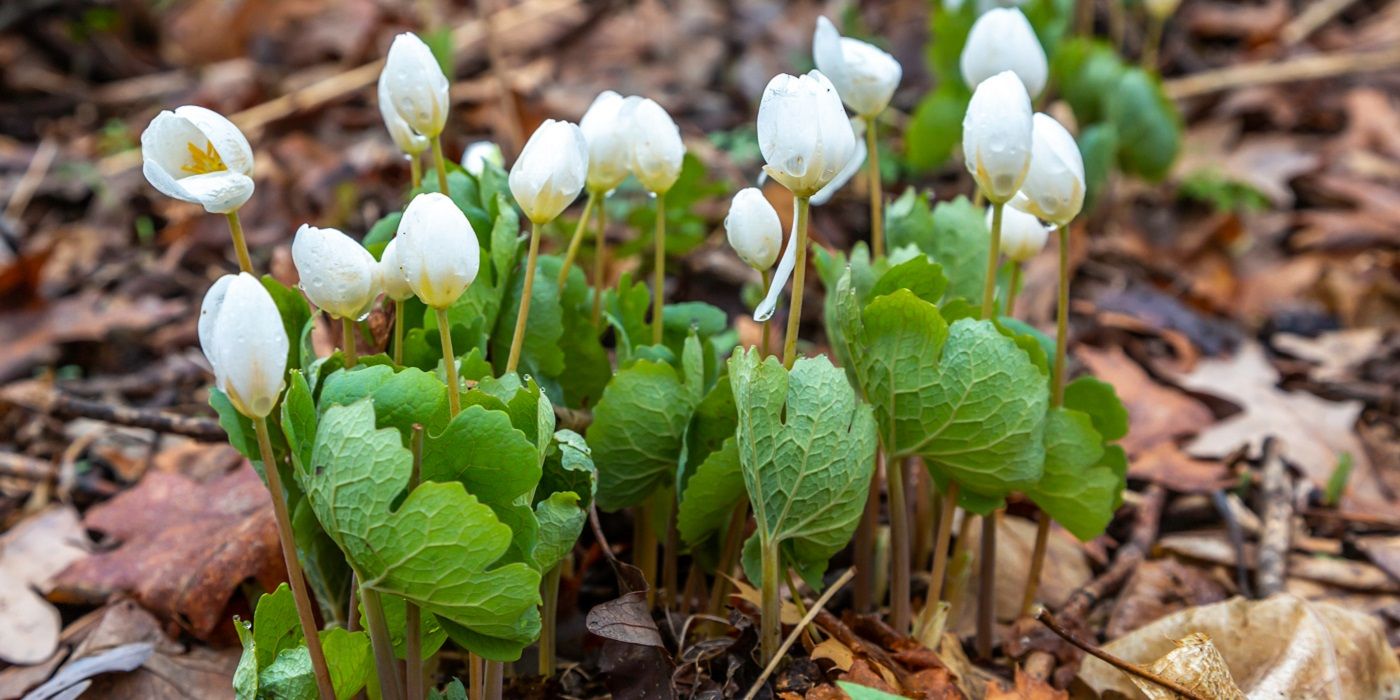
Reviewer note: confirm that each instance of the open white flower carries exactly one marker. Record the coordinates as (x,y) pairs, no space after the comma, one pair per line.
(478,154)
(196,155)
(415,85)
(608,130)
(1054,186)
(241,333)
(338,275)
(391,277)
(657,149)
(753,229)
(1022,235)
(997,136)
(437,249)
(864,75)
(803,132)
(550,171)
(1002,40)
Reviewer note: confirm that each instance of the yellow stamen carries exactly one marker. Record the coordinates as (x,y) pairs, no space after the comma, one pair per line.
(203,161)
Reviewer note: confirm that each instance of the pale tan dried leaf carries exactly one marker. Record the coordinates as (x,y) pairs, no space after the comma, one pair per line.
(31,554)
(1196,664)
(834,651)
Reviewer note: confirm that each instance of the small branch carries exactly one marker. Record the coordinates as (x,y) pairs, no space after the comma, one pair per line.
(26,467)
(1132,669)
(1312,67)
(41,399)
(792,636)
(1277,508)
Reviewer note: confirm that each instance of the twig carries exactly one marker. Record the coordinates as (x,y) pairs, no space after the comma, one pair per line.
(1235,531)
(598,533)
(1277,508)
(1312,18)
(33,176)
(26,467)
(42,399)
(1310,67)
(1048,620)
(838,630)
(792,636)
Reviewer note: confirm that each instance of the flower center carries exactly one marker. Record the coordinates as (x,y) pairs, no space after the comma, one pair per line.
(203,161)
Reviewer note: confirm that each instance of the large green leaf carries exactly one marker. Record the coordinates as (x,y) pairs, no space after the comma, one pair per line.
(1077,489)
(401,398)
(486,453)
(954,234)
(715,487)
(276,663)
(561,521)
(639,426)
(438,549)
(569,469)
(807,448)
(540,352)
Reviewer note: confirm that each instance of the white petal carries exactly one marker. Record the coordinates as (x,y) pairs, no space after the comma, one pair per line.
(416,85)
(391,277)
(551,170)
(337,274)
(230,143)
(785,266)
(209,315)
(250,347)
(407,140)
(753,229)
(220,192)
(848,171)
(1001,40)
(437,249)
(657,149)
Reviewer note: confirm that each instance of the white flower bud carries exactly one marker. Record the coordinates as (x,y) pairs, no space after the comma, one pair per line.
(864,75)
(391,276)
(753,229)
(196,155)
(407,140)
(415,85)
(1022,235)
(241,333)
(852,166)
(337,274)
(478,154)
(550,171)
(437,249)
(997,136)
(1002,40)
(1054,186)
(803,132)
(657,149)
(609,134)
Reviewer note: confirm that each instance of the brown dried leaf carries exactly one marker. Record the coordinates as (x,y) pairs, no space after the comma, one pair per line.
(834,651)
(1026,688)
(1280,647)
(31,336)
(185,547)
(1161,587)
(1066,569)
(1156,414)
(1196,664)
(31,554)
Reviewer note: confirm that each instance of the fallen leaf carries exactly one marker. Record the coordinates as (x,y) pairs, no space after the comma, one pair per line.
(834,651)
(1336,354)
(1196,665)
(1383,552)
(1026,688)
(1167,465)
(32,336)
(31,554)
(1313,433)
(1280,647)
(185,547)
(934,684)
(862,673)
(1215,547)
(1156,414)
(1159,588)
(1066,569)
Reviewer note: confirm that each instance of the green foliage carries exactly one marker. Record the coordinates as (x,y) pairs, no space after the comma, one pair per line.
(1085,473)
(686,226)
(807,448)
(276,663)
(1149,127)
(1222,193)
(953,233)
(714,488)
(1337,483)
(860,692)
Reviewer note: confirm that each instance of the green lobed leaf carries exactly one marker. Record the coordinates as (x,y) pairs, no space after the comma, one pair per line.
(401,398)
(540,352)
(486,453)
(935,129)
(276,663)
(1099,399)
(569,468)
(953,234)
(807,449)
(715,487)
(561,521)
(1076,490)
(431,635)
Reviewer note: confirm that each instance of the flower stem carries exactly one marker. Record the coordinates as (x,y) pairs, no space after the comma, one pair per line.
(1042,538)
(398,332)
(240,245)
(989,286)
(863,592)
(1013,288)
(986,587)
(413,616)
(770,622)
(295,579)
(877,195)
(728,556)
(1057,380)
(415,170)
(549,613)
(495,679)
(940,547)
(644,548)
(347,342)
(526,291)
(767,322)
(899,545)
(577,240)
(440,165)
(389,685)
(449,362)
(658,284)
(799,282)
(600,257)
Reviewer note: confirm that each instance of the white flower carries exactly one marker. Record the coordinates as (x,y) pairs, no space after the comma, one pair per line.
(478,154)
(242,335)
(803,132)
(550,171)
(1054,186)
(864,75)
(657,149)
(338,275)
(196,155)
(437,249)
(415,85)
(1022,235)
(997,136)
(852,167)
(408,140)
(1002,40)
(607,129)
(391,277)
(753,229)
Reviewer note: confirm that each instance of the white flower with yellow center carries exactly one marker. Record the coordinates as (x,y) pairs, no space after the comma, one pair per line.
(196,155)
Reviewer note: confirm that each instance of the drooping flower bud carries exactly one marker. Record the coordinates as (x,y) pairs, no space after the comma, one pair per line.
(478,154)
(196,155)
(337,274)
(1022,235)
(864,75)
(997,136)
(415,85)
(609,134)
(391,276)
(242,336)
(753,229)
(657,149)
(409,141)
(1002,40)
(437,249)
(1054,185)
(550,171)
(803,132)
